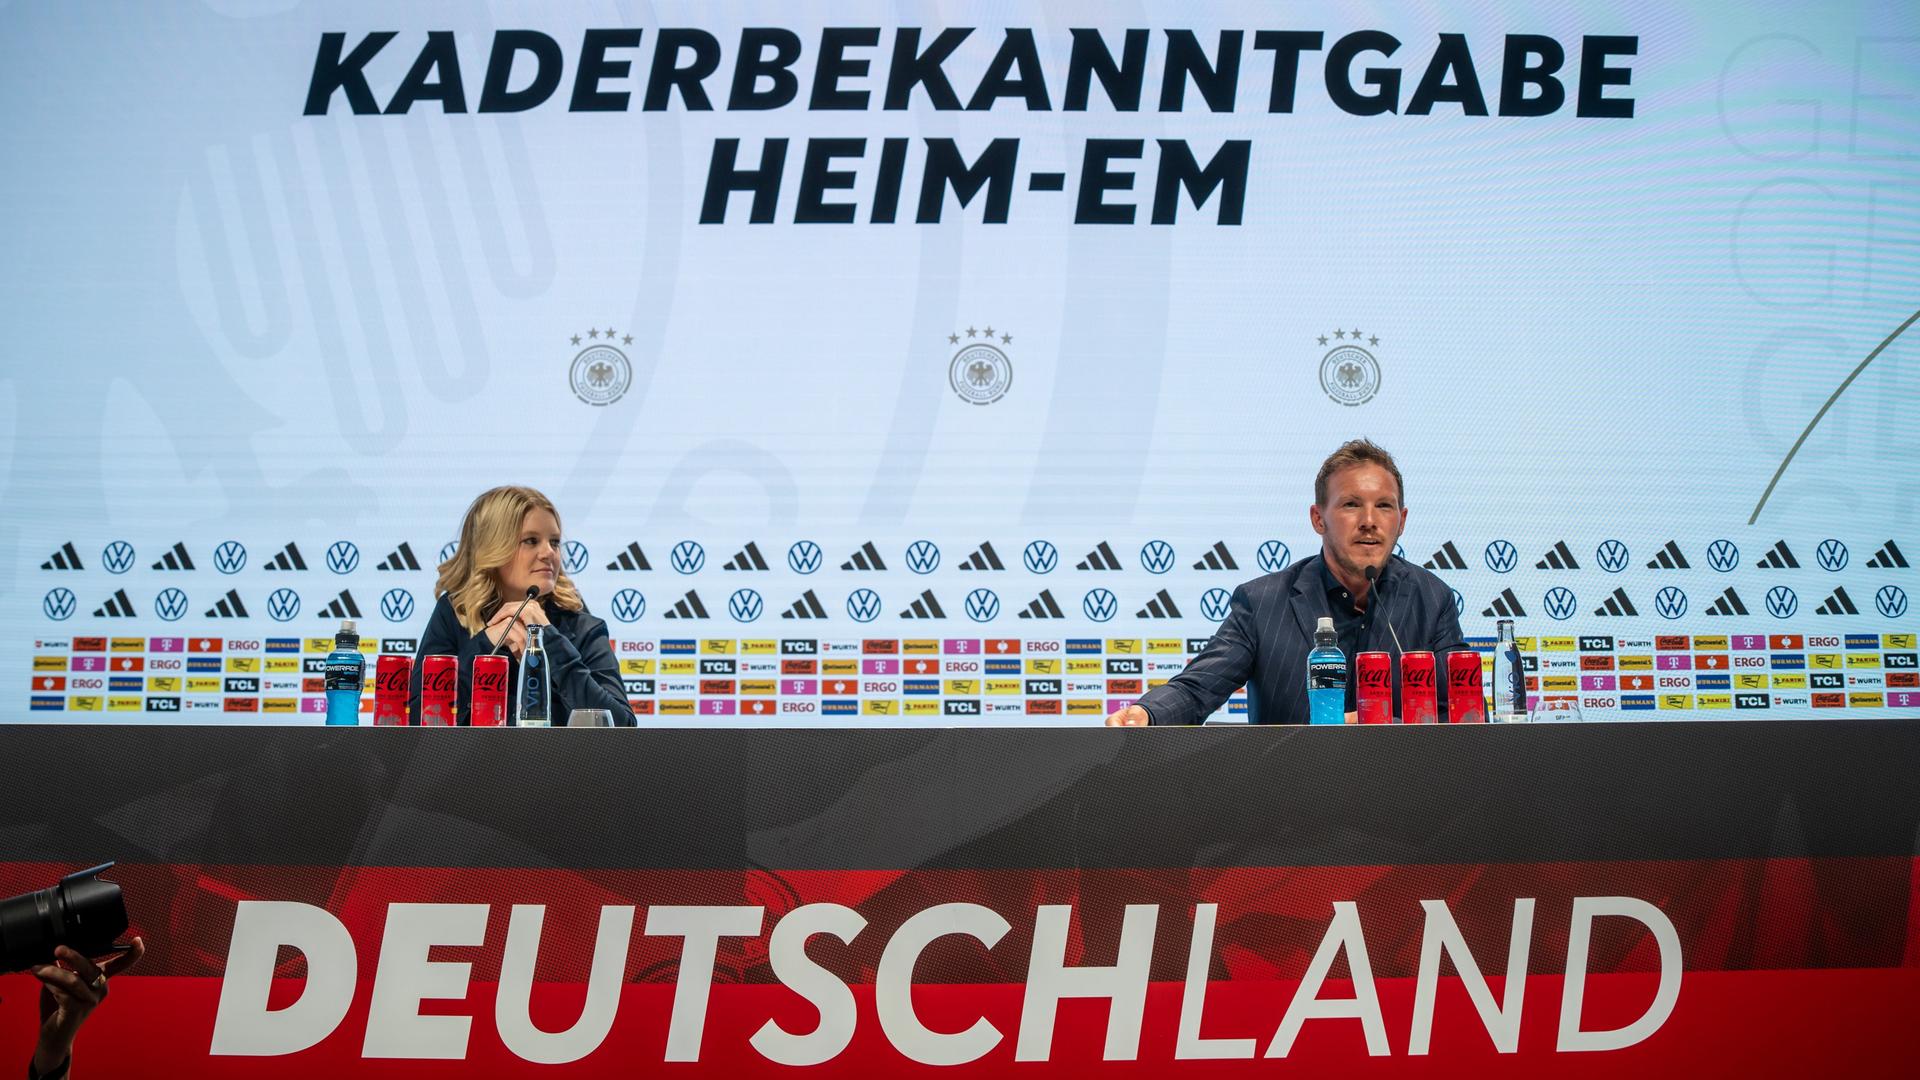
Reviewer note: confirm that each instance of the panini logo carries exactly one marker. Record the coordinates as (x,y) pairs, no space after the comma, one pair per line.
(982,605)
(1273,556)
(1447,558)
(1612,555)
(230,557)
(1832,555)
(343,557)
(924,558)
(1723,556)
(803,557)
(688,557)
(1781,602)
(629,605)
(1100,605)
(1501,557)
(1216,605)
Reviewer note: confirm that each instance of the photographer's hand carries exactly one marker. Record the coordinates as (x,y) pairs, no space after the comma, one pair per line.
(70,989)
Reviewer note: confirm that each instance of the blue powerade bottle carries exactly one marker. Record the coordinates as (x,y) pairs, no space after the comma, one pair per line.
(1326,676)
(346,674)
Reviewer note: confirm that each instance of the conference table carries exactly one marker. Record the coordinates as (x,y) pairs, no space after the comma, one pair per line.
(1581,899)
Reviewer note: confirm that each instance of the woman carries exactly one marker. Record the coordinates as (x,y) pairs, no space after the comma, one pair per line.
(510,543)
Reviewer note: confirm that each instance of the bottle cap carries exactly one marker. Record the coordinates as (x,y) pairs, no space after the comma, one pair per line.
(347,634)
(1324,626)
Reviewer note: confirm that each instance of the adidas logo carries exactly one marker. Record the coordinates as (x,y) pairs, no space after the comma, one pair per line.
(689,607)
(1617,604)
(1559,557)
(175,559)
(867,558)
(1217,558)
(1100,558)
(116,607)
(288,559)
(1669,559)
(632,558)
(984,559)
(807,607)
(400,558)
(228,607)
(1505,606)
(1447,558)
(1887,558)
(342,607)
(1160,607)
(747,558)
(1728,604)
(64,559)
(1780,558)
(1044,606)
(924,608)
(1837,604)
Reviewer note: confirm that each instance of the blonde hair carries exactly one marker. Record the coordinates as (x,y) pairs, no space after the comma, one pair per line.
(489,537)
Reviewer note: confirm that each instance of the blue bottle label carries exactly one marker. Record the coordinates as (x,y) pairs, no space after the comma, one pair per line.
(345,674)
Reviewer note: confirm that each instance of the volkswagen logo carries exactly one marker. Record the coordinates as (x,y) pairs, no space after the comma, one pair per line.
(923,557)
(1501,556)
(1670,602)
(1156,556)
(397,605)
(117,557)
(1459,603)
(1832,555)
(1041,557)
(1274,556)
(863,605)
(629,605)
(229,557)
(744,605)
(1101,605)
(1216,604)
(688,557)
(58,604)
(1560,603)
(1722,555)
(804,557)
(573,556)
(342,557)
(449,549)
(1612,556)
(1781,602)
(1891,600)
(283,605)
(982,605)
(170,604)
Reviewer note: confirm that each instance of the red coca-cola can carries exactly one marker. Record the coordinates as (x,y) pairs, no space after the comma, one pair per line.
(1373,696)
(439,689)
(392,681)
(1466,704)
(489,692)
(1419,703)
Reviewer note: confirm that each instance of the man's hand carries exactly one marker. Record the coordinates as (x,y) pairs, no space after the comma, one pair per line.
(1131,716)
(70,989)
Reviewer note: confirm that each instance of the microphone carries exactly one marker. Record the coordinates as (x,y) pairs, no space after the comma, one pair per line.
(532,591)
(1374,603)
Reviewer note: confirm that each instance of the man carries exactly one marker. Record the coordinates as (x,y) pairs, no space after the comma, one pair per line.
(1359,511)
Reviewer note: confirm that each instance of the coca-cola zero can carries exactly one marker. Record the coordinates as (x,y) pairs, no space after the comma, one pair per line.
(489,691)
(392,682)
(1418,701)
(1466,702)
(1374,696)
(439,686)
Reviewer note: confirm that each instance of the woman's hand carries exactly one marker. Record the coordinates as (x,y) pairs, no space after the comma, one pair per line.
(515,631)
(70,989)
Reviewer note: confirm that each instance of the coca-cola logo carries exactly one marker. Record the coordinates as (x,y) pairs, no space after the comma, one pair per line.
(392,679)
(1417,678)
(437,680)
(1374,678)
(1464,678)
(489,682)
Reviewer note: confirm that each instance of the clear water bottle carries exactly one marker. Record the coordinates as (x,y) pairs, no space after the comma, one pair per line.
(1326,676)
(346,675)
(533,702)
(1509,683)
